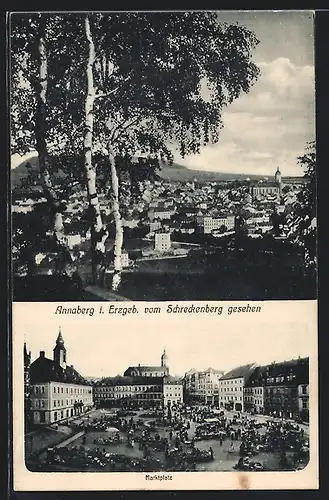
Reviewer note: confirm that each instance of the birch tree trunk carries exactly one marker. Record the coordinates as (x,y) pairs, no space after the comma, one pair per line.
(41,146)
(97,239)
(116,280)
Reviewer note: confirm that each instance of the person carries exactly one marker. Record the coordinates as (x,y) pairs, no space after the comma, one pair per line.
(221,440)
(211,453)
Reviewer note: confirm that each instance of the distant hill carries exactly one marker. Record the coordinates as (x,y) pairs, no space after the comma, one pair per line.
(21,171)
(174,172)
(177,172)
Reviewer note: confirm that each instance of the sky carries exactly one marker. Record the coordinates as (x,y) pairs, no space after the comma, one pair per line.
(269,126)
(105,345)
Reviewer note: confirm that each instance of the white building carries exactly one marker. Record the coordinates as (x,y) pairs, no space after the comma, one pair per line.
(154,225)
(172,391)
(203,386)
(57,390)
(231,387)
(161,213)
(124,258)
(211,223)
(73,240)
(162,241)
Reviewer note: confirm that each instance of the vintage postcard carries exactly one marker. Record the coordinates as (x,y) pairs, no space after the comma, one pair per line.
(175,401)
(163,205)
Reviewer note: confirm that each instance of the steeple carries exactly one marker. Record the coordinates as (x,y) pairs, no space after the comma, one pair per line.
(164,361)
(27,357)
(59,339)
(60,351)
(278,176)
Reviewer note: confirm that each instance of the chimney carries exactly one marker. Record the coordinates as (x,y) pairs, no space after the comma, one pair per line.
(42,354)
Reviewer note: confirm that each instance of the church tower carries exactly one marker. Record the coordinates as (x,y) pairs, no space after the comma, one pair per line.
(164,362)
(278,179)
(27,363)
(60,351)
(278,176)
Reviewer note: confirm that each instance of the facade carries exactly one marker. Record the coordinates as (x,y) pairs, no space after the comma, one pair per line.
(73,240)
(140,386)
(160,213)
(303,402)
(57,390)
(284,389)
(155,225)
(129,391)
(268,188)
(211,223)
(124,258)
(138,392)
(172,391)
(162,241)
(231,387)
(254,399)
(203,386)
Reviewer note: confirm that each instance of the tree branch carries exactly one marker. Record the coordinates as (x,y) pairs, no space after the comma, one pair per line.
(125,125)
(113,91)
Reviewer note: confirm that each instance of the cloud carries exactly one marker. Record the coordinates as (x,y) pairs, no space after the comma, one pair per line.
(268,127)
(281,87)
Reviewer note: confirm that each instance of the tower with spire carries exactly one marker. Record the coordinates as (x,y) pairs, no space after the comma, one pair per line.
(164,361)
(278,179)
(60,351)
(27,363)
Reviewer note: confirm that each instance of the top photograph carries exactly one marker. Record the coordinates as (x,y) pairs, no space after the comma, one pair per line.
(160,156)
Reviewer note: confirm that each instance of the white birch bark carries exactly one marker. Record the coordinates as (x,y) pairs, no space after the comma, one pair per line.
(41,145)
(116,280)
(97,223)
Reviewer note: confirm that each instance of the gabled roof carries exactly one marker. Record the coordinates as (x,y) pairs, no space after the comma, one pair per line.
(139,368)
(170,380)
(46,370)
(264,375)
(240,371)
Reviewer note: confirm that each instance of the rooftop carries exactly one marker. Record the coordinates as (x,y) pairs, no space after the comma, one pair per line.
(127,380)
(240,371)
(46,370)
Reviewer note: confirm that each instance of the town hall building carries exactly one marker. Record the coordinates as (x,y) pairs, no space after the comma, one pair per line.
(57,390)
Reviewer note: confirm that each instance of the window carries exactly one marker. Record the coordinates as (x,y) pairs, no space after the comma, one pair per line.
(304,389)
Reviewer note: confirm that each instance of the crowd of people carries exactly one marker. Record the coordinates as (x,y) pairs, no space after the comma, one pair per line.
(170,440)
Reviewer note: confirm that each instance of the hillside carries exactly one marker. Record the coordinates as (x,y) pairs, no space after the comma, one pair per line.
(177,172)
(174,172)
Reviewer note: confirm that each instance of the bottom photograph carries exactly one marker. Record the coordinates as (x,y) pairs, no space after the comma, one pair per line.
(100,400)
